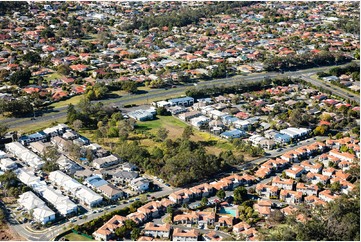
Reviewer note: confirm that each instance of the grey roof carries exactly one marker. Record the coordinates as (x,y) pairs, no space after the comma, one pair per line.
(125,175)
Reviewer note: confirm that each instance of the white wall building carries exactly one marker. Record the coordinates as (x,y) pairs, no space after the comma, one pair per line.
(7,164)
(83,193)
(199,121)
(40,211)
(24,154)
(60,202)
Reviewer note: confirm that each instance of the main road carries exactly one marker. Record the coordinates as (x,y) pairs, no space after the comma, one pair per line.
(59,113)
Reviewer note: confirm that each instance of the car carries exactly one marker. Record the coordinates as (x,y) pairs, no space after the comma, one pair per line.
(113,206)
(200,226)
(279,149)
(137,199)
(95,211)
(167,185)
(73,220)
(101,210)
(131,200)
(80,217)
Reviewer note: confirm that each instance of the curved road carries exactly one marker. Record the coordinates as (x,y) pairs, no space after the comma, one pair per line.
(58,113)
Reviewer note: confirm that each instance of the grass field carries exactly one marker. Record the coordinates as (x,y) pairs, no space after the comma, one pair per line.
(213,144)
(76,237)
(32,128)
(53,76)
(73,100)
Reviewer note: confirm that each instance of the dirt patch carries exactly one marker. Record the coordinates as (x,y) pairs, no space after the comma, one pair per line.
(6,234)
(9,200)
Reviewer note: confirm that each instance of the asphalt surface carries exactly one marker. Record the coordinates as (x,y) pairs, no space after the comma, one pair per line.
(58,113)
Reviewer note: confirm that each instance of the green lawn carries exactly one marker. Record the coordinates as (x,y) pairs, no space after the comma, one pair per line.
(73,100)
(161,121)
(76,237)
(53,76)
(32,128)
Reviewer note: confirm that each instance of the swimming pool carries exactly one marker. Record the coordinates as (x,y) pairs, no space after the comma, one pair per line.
(229,210)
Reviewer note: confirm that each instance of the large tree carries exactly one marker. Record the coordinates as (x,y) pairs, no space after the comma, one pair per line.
(20,78)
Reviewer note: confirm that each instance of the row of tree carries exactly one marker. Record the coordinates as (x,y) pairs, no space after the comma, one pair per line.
(304,61)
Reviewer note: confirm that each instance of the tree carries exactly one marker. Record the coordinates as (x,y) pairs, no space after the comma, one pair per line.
(135,234)
(129,86)
(240,194)
(162,111)
(221,194)
(3,130)
(47,33)
(187,132)
(121,232)
(20,78)
(276,216)
(32,57)
(335,187)
(77,125)
(170,210)
(320,130)
(162,133)
(204,201)
(50,166)
(4,74)
(64,69)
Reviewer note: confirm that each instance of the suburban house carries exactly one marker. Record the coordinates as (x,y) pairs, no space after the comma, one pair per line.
(110,191)
(231,134)
(188,218)
(266,190)
(181,196)
(185,235)
(107,231)
(189,115)
(327,196)
(316,178)
(212,236)
(286,184)
(314,168)
(242,226)
(291,196)
(183,101)
(157,231)
(105,161)
(307,190)
(295,171)
(140,184)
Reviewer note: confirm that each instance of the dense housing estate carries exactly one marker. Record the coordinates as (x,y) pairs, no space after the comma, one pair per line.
(295,143)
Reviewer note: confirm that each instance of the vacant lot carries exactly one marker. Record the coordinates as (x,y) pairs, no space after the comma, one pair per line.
(213,144)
